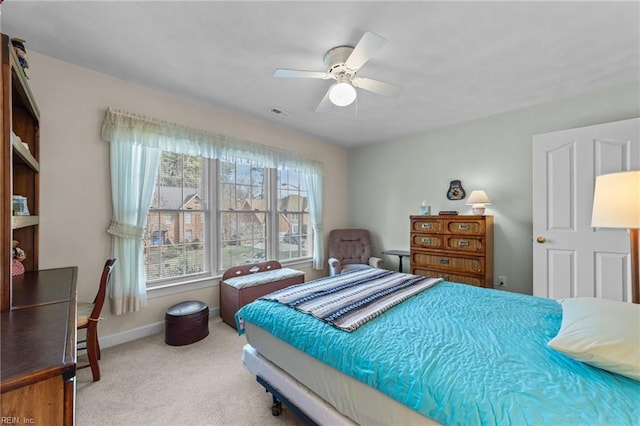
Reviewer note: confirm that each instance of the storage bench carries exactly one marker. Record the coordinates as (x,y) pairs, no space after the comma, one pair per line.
(243,284)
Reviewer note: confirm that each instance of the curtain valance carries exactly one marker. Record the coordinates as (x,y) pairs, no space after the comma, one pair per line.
(172,137)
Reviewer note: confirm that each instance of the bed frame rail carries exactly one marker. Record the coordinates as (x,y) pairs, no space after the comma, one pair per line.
(279,399)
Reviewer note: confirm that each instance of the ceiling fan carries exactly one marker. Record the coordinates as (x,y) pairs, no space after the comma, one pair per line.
(343,63)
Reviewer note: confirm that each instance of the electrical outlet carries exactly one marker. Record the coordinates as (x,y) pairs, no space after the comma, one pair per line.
(501,281)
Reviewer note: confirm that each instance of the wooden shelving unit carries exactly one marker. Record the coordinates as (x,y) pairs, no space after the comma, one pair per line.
(20,125)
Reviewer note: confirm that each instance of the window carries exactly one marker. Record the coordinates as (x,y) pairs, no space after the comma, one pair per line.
(160,256)
(243,213)
(170,249)
(293,216)
(257,213)
(263,214)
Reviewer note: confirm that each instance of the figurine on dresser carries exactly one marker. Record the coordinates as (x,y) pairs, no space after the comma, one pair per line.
(18,255)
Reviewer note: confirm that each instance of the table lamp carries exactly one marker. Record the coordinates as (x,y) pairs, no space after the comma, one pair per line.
(478,200)
(616,204)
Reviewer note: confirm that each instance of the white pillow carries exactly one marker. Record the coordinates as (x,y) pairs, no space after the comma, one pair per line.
(600,332)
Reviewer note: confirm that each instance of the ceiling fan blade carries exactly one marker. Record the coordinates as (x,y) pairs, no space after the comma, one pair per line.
(282,73)
(325,104)
(376,86)
(368,45)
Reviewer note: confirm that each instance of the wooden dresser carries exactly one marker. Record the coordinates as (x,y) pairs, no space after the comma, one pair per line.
(456,248)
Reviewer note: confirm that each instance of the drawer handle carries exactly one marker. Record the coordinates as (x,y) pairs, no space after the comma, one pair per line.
(463,243)
(426,226)
(444,260)
(426,240)
(464,227)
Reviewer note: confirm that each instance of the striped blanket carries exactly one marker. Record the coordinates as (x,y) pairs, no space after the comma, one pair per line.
(349,300)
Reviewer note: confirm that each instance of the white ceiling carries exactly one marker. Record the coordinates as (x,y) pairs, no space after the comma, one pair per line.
(457,61)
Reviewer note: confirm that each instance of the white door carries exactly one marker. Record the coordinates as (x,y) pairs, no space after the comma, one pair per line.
(570,258)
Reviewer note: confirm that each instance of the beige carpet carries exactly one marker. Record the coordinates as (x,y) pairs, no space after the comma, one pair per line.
(146,382)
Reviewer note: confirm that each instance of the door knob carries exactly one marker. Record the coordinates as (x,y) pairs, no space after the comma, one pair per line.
(541,240)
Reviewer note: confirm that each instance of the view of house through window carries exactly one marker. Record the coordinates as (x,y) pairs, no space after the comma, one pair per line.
(243,213)
(262,214)
(175,240)
(293,216)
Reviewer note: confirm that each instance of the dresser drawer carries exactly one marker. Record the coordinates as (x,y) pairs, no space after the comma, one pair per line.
(478,282)
(466,227)
(464,243)
(428,241)
(473,265)
(428,225)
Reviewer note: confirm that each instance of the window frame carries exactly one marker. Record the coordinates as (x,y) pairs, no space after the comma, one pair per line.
(205,211)
(214,230)
(294,214)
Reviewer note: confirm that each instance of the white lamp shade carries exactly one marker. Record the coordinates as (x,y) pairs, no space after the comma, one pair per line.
(616,201)
(478,197)
(342,94)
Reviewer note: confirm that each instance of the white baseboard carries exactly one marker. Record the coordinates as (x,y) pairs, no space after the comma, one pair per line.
(140,332)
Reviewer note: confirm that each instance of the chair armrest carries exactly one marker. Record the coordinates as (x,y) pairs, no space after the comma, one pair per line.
(335,267)
(375,262)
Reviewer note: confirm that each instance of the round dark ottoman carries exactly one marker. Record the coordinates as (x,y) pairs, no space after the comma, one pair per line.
(186,323)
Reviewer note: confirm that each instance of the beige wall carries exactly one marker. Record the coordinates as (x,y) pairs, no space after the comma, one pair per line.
(493,154)
(75,186)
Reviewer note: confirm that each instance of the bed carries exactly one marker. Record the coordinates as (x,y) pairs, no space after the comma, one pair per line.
(449,354)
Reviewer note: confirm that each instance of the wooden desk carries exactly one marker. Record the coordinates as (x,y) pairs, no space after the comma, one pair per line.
(38,348)
(43,288)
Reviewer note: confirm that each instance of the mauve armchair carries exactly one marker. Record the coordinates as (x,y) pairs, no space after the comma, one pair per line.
(350,249)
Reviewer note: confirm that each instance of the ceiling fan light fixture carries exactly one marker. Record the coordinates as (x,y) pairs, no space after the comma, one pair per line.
(342,94)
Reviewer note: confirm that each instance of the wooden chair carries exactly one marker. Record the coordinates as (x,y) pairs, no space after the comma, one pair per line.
(88,315)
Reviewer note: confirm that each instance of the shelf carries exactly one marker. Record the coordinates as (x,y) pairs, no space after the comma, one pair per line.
(24,221)
(22,87)
(23,155)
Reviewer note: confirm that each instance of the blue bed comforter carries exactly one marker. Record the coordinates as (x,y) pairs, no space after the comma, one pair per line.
(464,355)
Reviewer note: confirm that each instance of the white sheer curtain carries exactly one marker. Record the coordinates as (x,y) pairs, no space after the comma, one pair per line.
(181,139)
(134,169)
(136,146)
(314,189)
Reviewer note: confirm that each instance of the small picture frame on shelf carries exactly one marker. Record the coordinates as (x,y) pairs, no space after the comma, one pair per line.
(20,207)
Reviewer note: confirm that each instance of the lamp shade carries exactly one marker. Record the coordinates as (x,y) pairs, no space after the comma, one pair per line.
(342,94)
(478,197)
(616,201)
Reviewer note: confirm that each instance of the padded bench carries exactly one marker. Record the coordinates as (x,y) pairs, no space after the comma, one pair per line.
(243,284)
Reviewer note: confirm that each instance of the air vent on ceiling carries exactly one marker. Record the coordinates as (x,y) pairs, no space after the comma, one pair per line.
(280,112)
